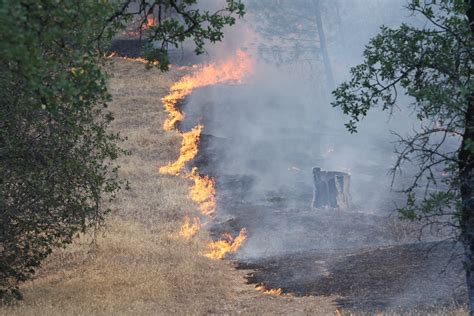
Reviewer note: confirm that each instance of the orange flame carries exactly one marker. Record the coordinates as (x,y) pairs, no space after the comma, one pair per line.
(233,69)
(262,288)
(188,229)
(227,244)
(203,192)
(150,21)
(188,150)
(135,59)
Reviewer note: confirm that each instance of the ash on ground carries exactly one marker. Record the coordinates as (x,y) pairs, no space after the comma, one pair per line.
(370,259)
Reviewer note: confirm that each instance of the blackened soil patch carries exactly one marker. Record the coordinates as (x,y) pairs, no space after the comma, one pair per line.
(361,257)
(421,275)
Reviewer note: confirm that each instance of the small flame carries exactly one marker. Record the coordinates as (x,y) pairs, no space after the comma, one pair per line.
(188,150)
(150,21)
(262,288)
(203,192)
(233,69)
(227,244)
(189,229)
(135,59)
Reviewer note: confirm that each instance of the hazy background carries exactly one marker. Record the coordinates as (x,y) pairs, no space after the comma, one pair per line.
(280,122)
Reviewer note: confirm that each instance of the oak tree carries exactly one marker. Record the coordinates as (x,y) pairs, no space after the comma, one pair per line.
(56,152)
(431,65)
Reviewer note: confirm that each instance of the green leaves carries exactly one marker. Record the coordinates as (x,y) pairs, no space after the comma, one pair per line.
(182,20)
(431,67)
(56,156)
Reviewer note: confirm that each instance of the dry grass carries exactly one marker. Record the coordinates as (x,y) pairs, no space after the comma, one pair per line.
(138,265)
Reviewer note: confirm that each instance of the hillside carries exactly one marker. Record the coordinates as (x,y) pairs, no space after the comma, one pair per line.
(138,265)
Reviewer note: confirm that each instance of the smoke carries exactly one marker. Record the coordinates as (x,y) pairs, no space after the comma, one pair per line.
(262,138)
(280,123)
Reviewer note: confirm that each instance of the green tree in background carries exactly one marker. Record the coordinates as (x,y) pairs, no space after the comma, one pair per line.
(432,65)
(56,154)
(177,21)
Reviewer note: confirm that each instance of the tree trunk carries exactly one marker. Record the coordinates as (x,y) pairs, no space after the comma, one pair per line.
(466,169)
(342,34)
(323,46)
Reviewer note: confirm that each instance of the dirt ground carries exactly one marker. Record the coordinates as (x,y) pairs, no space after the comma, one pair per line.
(138,265)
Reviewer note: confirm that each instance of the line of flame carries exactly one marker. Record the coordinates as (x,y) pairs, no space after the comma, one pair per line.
(262,288)
(203,190)
(135,59)
(187,152)
(227,244)
(230,70)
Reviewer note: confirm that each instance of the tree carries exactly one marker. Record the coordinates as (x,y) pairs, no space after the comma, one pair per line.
(432,64)
(296,31)
(177,21)
(56,153)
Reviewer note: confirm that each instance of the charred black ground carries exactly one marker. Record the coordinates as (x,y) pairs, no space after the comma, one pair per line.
(369,261)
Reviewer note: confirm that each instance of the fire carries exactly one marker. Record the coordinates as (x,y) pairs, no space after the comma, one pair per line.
(203,192)
(231,70)
(135,59)
(188,150)
(170,101)
(189,229)
(262,288)
(227,244)
(150,21)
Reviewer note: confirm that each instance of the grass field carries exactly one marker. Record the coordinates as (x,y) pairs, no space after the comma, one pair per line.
(137,265)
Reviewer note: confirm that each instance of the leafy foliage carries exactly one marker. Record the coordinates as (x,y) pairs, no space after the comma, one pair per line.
(55,151)
(177,21)
(432,65)
(56,154)
(289,29)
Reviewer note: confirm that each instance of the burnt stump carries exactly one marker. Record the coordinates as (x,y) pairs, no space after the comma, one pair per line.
(331,189)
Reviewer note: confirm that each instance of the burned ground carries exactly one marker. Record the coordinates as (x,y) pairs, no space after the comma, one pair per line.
(401,277)
(370,261)
(137,266)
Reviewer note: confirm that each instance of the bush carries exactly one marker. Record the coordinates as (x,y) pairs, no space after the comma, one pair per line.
(56,156)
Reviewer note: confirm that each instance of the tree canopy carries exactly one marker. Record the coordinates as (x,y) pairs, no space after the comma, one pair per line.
(431,66)
(56,152)
(176,22)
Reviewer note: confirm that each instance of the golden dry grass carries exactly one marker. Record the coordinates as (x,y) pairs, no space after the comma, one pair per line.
(138,266)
